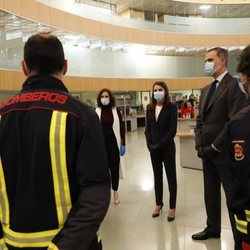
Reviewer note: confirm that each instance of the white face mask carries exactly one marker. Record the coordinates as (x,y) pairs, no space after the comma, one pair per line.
(209,68)
(159,95)
(241,85)
(105,101)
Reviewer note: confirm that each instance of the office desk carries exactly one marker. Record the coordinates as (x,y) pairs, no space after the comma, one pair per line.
(131,124)
(186,124)
(188,154)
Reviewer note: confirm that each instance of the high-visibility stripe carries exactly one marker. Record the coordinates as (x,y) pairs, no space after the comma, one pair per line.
(241,225)
(34,239)
(247,215)
(27,243)
(2,205)
(64,163)
(33,235)
(52,246)
(54,164)
(59,166)
(4,202)
(99,238)
(3,245)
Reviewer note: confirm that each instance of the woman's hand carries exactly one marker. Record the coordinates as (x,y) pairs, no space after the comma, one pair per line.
(122,150)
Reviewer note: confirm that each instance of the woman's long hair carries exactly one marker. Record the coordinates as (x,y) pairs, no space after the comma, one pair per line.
(112,101)
(166,98)
(244,63)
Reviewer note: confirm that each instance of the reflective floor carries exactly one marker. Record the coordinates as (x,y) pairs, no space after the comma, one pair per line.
(129,225)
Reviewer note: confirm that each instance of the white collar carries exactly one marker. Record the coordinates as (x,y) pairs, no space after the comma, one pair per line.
(220,77)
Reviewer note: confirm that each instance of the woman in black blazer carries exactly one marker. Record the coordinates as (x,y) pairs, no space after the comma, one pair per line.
(161,125)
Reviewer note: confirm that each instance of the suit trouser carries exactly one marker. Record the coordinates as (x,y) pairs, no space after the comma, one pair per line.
(113,157)
(214,176)
(166,157)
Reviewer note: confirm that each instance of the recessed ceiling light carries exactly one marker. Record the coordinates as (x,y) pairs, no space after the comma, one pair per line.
(205,7)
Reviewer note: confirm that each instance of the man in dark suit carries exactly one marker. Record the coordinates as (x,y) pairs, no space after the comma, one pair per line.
(219,101)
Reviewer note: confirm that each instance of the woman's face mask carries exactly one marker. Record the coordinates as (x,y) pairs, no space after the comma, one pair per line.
(242,87)
(159,95)
(105,101)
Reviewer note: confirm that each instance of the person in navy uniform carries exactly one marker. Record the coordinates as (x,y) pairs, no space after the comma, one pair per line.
(239,148)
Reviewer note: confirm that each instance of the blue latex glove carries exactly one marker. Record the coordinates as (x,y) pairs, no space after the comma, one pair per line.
(122,150)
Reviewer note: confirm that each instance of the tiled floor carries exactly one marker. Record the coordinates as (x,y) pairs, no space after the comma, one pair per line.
(129,225)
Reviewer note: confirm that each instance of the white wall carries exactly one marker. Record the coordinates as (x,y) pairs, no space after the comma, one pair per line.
(97,63)
(107,63)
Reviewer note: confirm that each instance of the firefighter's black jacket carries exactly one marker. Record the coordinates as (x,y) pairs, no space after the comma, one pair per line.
(239,190)
(54,179)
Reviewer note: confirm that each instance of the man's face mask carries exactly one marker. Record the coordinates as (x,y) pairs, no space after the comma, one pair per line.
(209,68)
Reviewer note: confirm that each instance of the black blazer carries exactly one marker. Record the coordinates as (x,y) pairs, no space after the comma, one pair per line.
(162,131)
(226,101)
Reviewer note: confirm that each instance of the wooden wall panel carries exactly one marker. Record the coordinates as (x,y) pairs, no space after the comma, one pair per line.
(92,28)
(13,80)
(244,39)
(170,38)
(139,36)
(106,31)
(58,19)
(11,6)
(183,39)
(35,11)
(159,38)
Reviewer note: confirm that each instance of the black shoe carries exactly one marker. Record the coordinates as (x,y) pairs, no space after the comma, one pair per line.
(170,218)
(156,214)
(204,235)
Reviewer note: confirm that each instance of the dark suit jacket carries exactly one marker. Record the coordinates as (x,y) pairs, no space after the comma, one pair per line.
(226,101)
(162,131)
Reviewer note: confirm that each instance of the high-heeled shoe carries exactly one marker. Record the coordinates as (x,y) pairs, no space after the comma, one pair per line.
(116,198)
(116,202)
(157,213)
(172,216)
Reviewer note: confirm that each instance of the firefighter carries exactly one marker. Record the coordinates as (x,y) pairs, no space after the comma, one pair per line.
(54,179)
(239,145)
